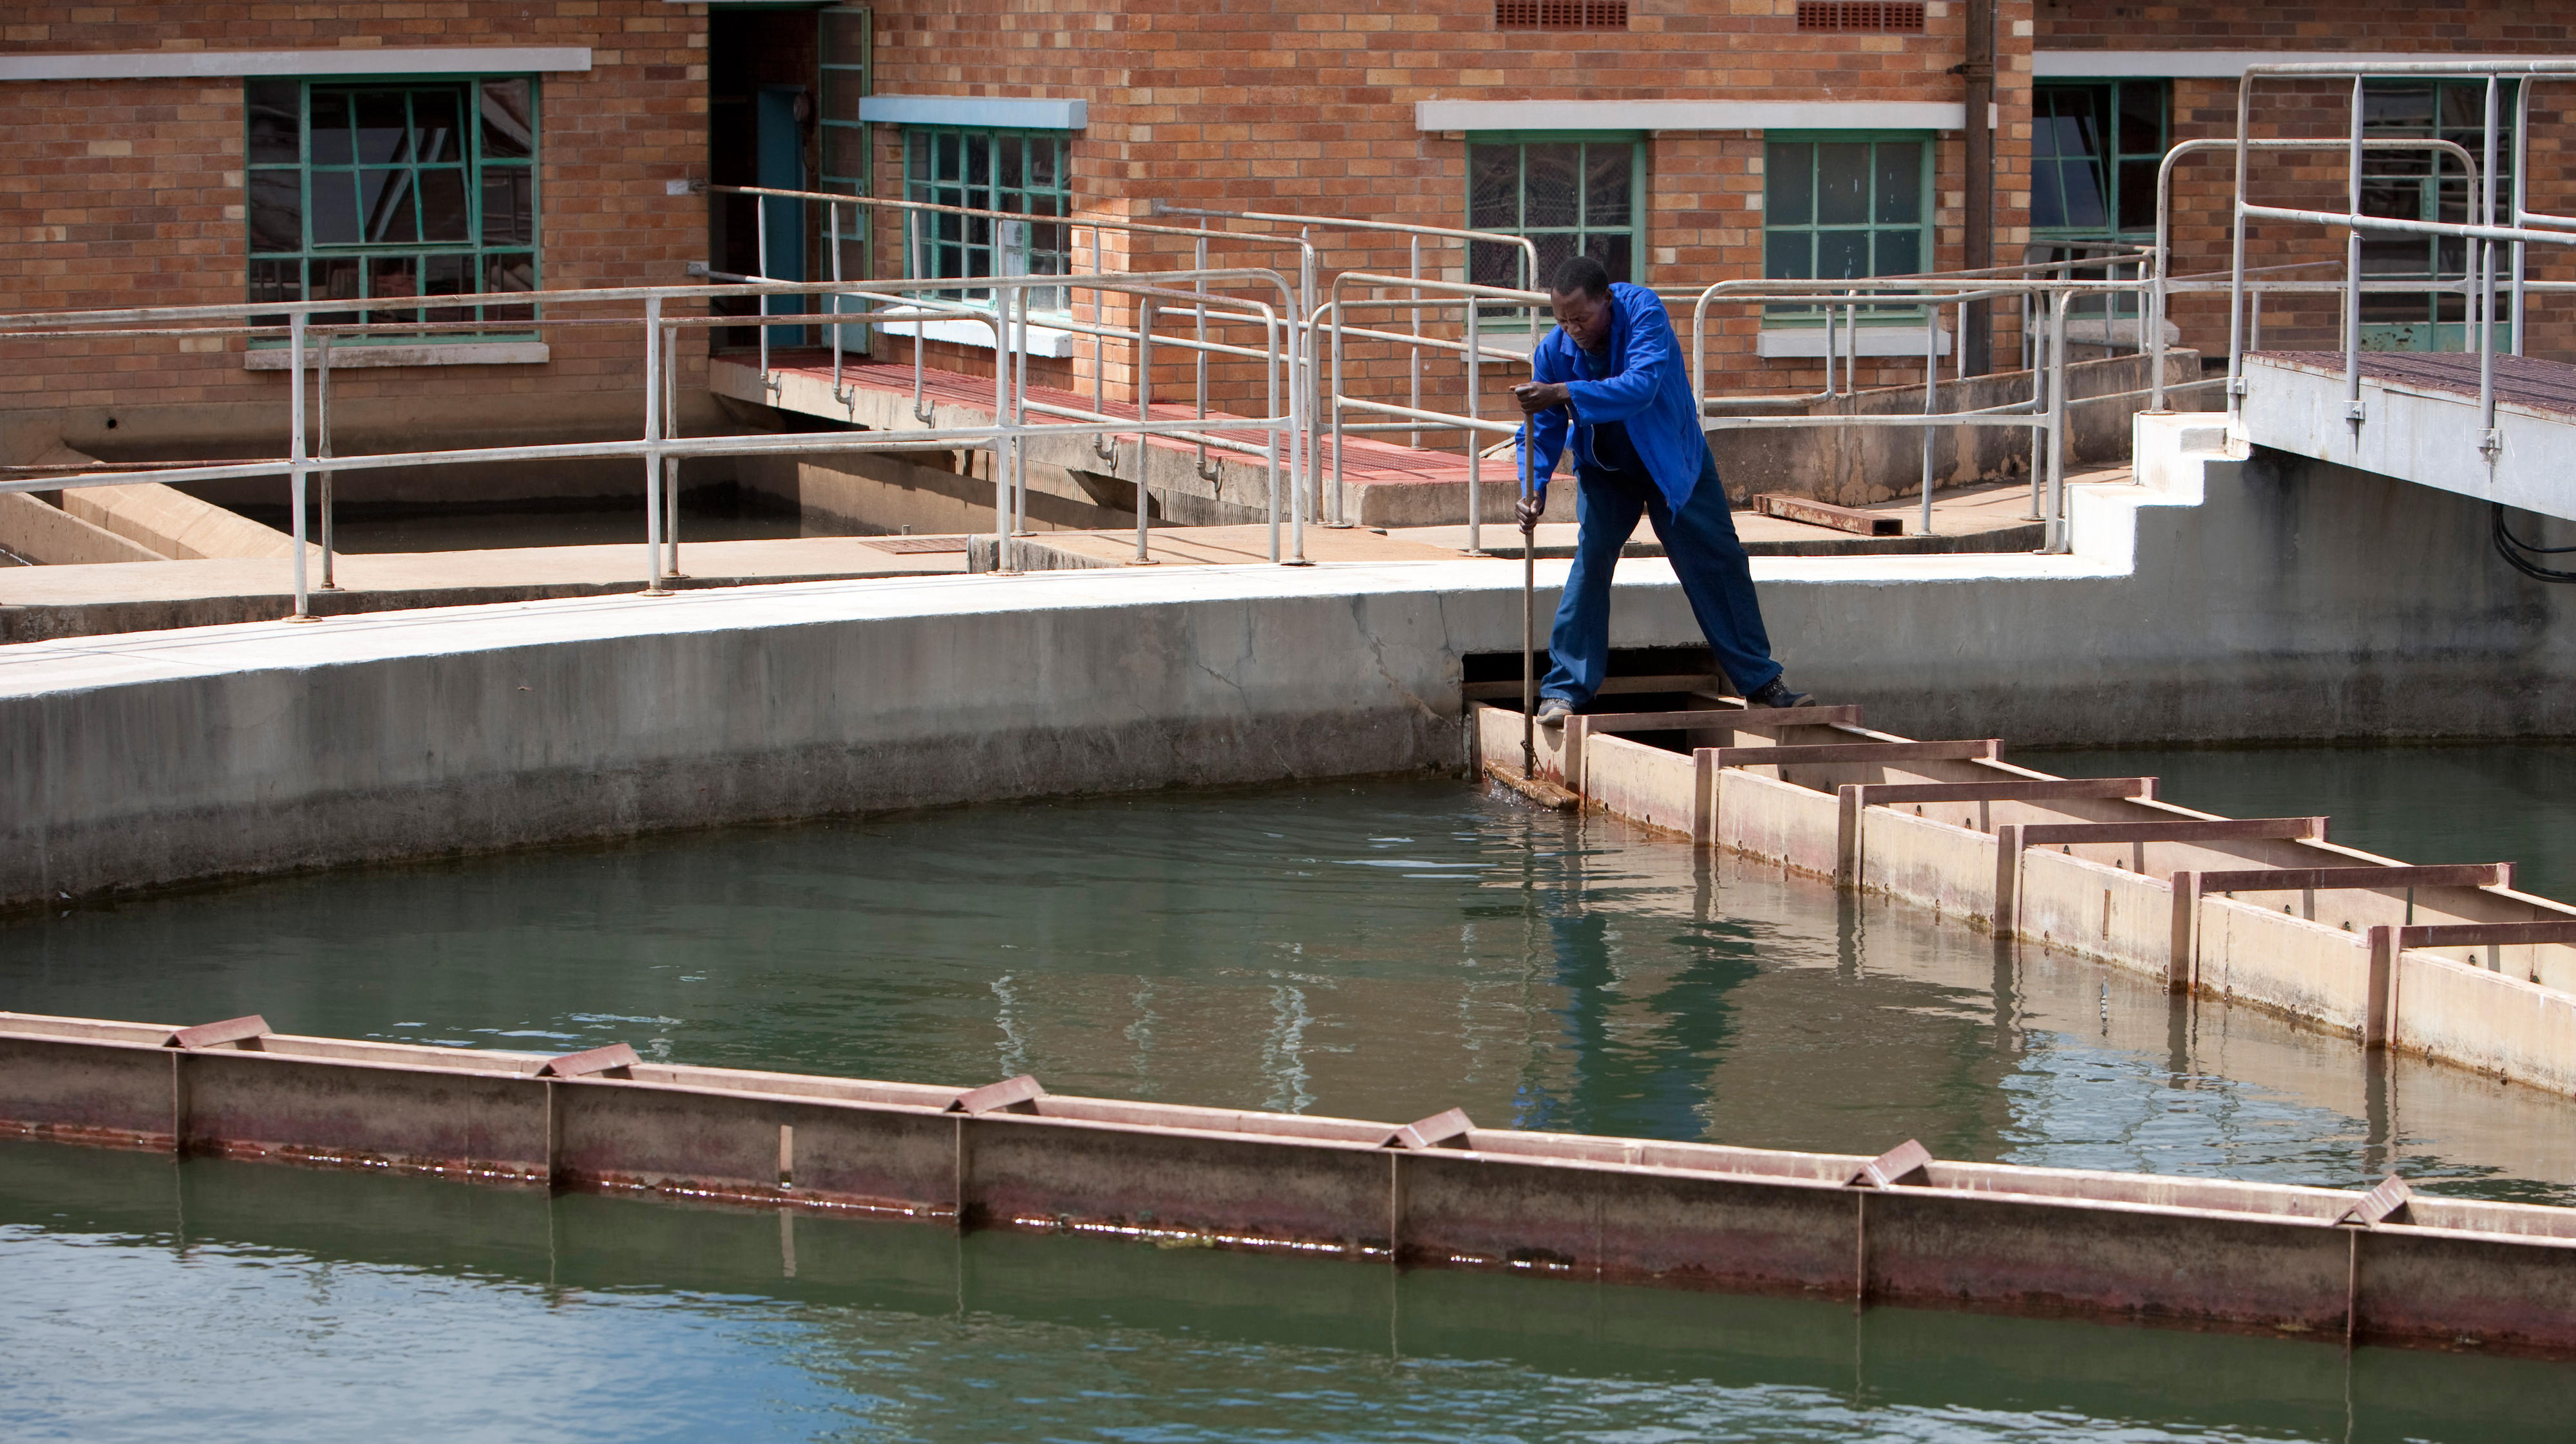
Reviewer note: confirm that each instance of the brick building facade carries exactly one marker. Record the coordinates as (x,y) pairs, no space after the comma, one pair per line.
(155,149)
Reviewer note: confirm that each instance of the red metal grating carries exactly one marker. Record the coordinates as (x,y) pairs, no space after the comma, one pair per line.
(1564,14)
(1883,16)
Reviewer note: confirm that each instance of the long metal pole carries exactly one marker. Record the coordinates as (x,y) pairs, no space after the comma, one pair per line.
(1020,408)
(295,457)
(1272,366)
(920,328)
(2352,267)
(1529,611)
(322,425)
(1332,401)
(652,451)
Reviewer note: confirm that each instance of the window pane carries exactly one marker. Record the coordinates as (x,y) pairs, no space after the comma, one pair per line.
(276,210)
(1900,182)
(845,151)
(1611,249)
(1842,183)
(509,273)
(384,132)
(2142,119)
(2397,105)
(1842,255)
(2045,103)
(2047,194)
(1552,178)
(1553,251)
(1788,169)
(1787,255)
(442,206)
(2137,195)
(1492,263)
(509,120)
(335,208)
(2464,107)
(1900,253)
(1046,167)
(979,169)
(2083,195)
(1012,148)
(448,276)
(1493,187)
(509,206)
(275,108)
(1606,172)
(841,94)
(916,165)
(331,128)
(387,198)
(276,281)
(435,133)
(397,276)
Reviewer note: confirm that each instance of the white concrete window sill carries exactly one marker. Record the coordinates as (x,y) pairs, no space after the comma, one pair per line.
(347,358)
(1809,341)
(1042,341)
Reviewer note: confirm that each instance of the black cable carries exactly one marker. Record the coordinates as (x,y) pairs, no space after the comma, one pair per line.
(2513,549)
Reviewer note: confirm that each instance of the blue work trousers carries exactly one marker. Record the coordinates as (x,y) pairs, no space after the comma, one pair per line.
(1700,542)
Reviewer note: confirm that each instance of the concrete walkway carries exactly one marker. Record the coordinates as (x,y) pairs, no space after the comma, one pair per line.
(82,601)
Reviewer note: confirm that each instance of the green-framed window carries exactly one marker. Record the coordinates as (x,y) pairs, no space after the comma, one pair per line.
(2094,149)
(2428,186)
(1841,205)
(1023,171)
(1570,192)
(383,189)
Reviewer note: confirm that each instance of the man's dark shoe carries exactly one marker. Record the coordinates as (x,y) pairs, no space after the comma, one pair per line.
(1774,693)
(1552,711)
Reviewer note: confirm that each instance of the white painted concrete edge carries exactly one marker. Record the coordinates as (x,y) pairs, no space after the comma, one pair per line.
(243,64)
(2227,64)
(353,358)
(1042,340)
(980,111)
(1468,115)
(1869,341)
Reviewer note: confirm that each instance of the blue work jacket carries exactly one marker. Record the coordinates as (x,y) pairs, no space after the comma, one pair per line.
(1639,378)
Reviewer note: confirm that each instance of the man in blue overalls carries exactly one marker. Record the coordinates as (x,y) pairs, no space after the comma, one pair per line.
(1613,370)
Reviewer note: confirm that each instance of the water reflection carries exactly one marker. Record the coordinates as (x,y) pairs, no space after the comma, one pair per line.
(1382,950)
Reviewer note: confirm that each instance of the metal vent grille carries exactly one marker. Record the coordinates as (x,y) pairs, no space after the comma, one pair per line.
(1882,16)
(1564,14)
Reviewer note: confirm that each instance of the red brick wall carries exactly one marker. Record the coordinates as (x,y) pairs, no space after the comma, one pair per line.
(119,192)
(2203,184)
(1309,106)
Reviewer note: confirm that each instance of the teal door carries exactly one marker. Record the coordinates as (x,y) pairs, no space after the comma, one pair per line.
(782,167)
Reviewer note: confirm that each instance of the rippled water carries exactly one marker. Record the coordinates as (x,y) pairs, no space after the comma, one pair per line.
(1383,950)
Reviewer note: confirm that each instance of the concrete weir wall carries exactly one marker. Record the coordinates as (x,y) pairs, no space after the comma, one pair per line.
(2220,597)
(2508,1011)
(2387,1266)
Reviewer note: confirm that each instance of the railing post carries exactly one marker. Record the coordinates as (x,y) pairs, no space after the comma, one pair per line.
(322,426)
(296,457)
(1413,351)
(1931,400)
(1198,262)
(671,464)
(2489,441)
(760,239)
(1006,447)
(1475,438)
(2236,263)
(1144,417)
(652,443)
(1333,401)
(2057,413)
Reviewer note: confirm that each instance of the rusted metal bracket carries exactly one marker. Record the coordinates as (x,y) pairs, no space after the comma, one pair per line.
(1825,514)
(612,1060)
(1907,1162)
(1440,1130)
(2384,1204)
(245,1032)
(1011,1095)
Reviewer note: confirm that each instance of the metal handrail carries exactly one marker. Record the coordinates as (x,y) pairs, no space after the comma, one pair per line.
(1008,436)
